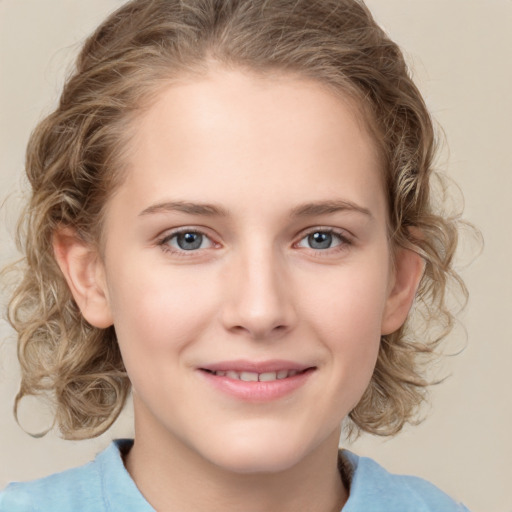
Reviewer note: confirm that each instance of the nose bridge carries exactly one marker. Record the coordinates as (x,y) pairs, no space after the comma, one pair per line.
(259,302)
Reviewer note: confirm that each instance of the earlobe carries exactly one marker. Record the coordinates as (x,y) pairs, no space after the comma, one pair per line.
(409,267)
(84,273)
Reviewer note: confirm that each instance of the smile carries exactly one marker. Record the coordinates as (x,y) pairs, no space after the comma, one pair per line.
(257,383)
(256,377)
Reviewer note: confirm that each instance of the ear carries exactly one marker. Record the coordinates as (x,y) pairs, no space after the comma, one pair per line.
(408,270)
(84,272)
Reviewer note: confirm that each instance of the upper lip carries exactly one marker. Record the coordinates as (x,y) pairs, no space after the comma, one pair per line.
(241,365)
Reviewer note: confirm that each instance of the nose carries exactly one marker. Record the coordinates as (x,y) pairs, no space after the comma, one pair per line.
(258,296)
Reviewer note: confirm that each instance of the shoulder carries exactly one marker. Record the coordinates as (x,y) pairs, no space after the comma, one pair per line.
(373,489)
(100,485)
(58,492)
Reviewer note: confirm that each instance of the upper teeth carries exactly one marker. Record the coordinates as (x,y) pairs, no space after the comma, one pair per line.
(254,376)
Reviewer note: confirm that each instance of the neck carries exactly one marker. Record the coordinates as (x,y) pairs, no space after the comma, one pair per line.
(171,476)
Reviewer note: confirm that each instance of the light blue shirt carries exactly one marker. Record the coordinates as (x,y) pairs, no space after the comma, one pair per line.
(105,485)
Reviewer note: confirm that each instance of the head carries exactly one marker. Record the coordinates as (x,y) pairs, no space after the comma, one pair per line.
(80,157)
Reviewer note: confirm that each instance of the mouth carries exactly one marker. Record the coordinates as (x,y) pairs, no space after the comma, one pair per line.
(257,382)
(248,376)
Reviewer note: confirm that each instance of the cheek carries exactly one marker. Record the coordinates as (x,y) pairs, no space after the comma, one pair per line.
(349,302)
(354,331)
(347,317)
(159,313)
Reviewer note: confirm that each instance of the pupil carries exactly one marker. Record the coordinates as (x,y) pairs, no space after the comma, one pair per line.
(190,241)
(320,240)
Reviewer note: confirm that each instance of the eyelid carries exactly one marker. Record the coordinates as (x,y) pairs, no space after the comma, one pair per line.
(163,239)
(346,238)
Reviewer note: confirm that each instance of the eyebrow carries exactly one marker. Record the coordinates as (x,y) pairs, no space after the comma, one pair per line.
(204,209)
(210,210)
(328,207)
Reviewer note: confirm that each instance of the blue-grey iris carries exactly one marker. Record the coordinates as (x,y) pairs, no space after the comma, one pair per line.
(189,241)
(320,240)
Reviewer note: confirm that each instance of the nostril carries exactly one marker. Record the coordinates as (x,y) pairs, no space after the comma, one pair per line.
(260,331)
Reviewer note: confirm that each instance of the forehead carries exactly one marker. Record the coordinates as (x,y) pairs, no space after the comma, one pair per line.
(231,133)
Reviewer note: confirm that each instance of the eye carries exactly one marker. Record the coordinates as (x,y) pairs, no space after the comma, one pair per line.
(188,240)
(323,239)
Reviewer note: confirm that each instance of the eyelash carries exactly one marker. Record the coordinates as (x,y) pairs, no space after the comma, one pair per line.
(164,241)
(344,241)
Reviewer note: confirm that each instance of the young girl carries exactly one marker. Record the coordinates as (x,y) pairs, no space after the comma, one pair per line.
(231,216)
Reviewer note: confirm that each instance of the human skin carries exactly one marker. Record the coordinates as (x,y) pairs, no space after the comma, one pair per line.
(276,160)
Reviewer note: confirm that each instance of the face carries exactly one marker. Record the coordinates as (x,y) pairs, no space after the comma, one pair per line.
(247,268)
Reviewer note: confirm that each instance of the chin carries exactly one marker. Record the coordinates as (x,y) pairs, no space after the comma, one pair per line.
(251,462)
(259,454)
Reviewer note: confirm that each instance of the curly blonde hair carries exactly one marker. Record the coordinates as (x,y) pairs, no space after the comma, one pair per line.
(75,162)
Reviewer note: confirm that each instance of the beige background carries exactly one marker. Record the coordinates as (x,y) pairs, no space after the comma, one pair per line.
(460,51)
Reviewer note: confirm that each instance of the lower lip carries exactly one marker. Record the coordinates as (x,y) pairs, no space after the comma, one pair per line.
(258,391)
